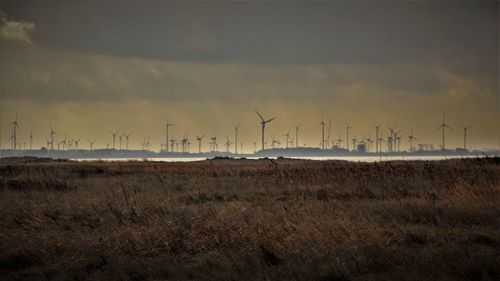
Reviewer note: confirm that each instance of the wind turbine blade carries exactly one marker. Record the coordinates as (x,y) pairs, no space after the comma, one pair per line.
(262,118)
(269,120)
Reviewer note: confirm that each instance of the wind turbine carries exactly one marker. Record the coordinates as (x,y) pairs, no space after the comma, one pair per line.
(188,143)
(347,136)
(172,143)
(63,142)
(339,141)
(444,126)
(77,142)
(198,138)
(241,146)
(228,144)
(297,134)
(31,140)
(411,138)
(381,140)
(369,142)
(114,137)
(391,139)
(397,138)
(236,139)
(213,144)
(166,140)
(146,144)
(274,141)
(287,135)
(184,144)
(377,140)
(15,126)
(52,133)
(322,124)
(263,123)
(69,145)
(328,136)
(465,135)
(91,143)
(120,138)
(126,141)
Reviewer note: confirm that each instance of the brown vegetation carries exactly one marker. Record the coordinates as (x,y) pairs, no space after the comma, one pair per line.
(250,220)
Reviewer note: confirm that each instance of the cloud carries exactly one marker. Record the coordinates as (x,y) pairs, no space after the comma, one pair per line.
(271,32)
(12,30)
(459,87)
(55,76)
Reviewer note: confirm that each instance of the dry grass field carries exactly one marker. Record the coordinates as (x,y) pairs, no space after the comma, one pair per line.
(250,220)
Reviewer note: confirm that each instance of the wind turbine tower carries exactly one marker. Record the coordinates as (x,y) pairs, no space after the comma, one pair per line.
(444,126)
(377,140)
(391,139)
(91,143)
(172,143)
(76,143)
(236,139)
(466,128)
(322,124)
(120,138)
(411,138)
(198,138)
(287,135)
(126,141)
(228,144)
(114,137)
(166,139)
(31,140)
(297,135)
(328,135)
(347,137)
(52,133)
(263,123)
(15,126)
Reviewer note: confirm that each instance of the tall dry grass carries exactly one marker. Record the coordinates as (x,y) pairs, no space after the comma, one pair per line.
(250,220)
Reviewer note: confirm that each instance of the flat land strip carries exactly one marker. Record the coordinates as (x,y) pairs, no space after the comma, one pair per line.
(250,220)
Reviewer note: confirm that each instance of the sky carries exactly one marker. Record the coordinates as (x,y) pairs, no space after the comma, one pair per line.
(87,68)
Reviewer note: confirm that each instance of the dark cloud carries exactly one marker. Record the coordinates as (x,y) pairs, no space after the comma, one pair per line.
(270,32)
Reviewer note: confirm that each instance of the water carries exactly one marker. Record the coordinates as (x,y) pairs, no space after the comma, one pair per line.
(321,158)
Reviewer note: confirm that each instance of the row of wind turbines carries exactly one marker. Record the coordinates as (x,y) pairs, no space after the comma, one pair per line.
(120,140)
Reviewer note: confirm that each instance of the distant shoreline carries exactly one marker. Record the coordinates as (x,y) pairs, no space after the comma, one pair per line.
(306,153)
